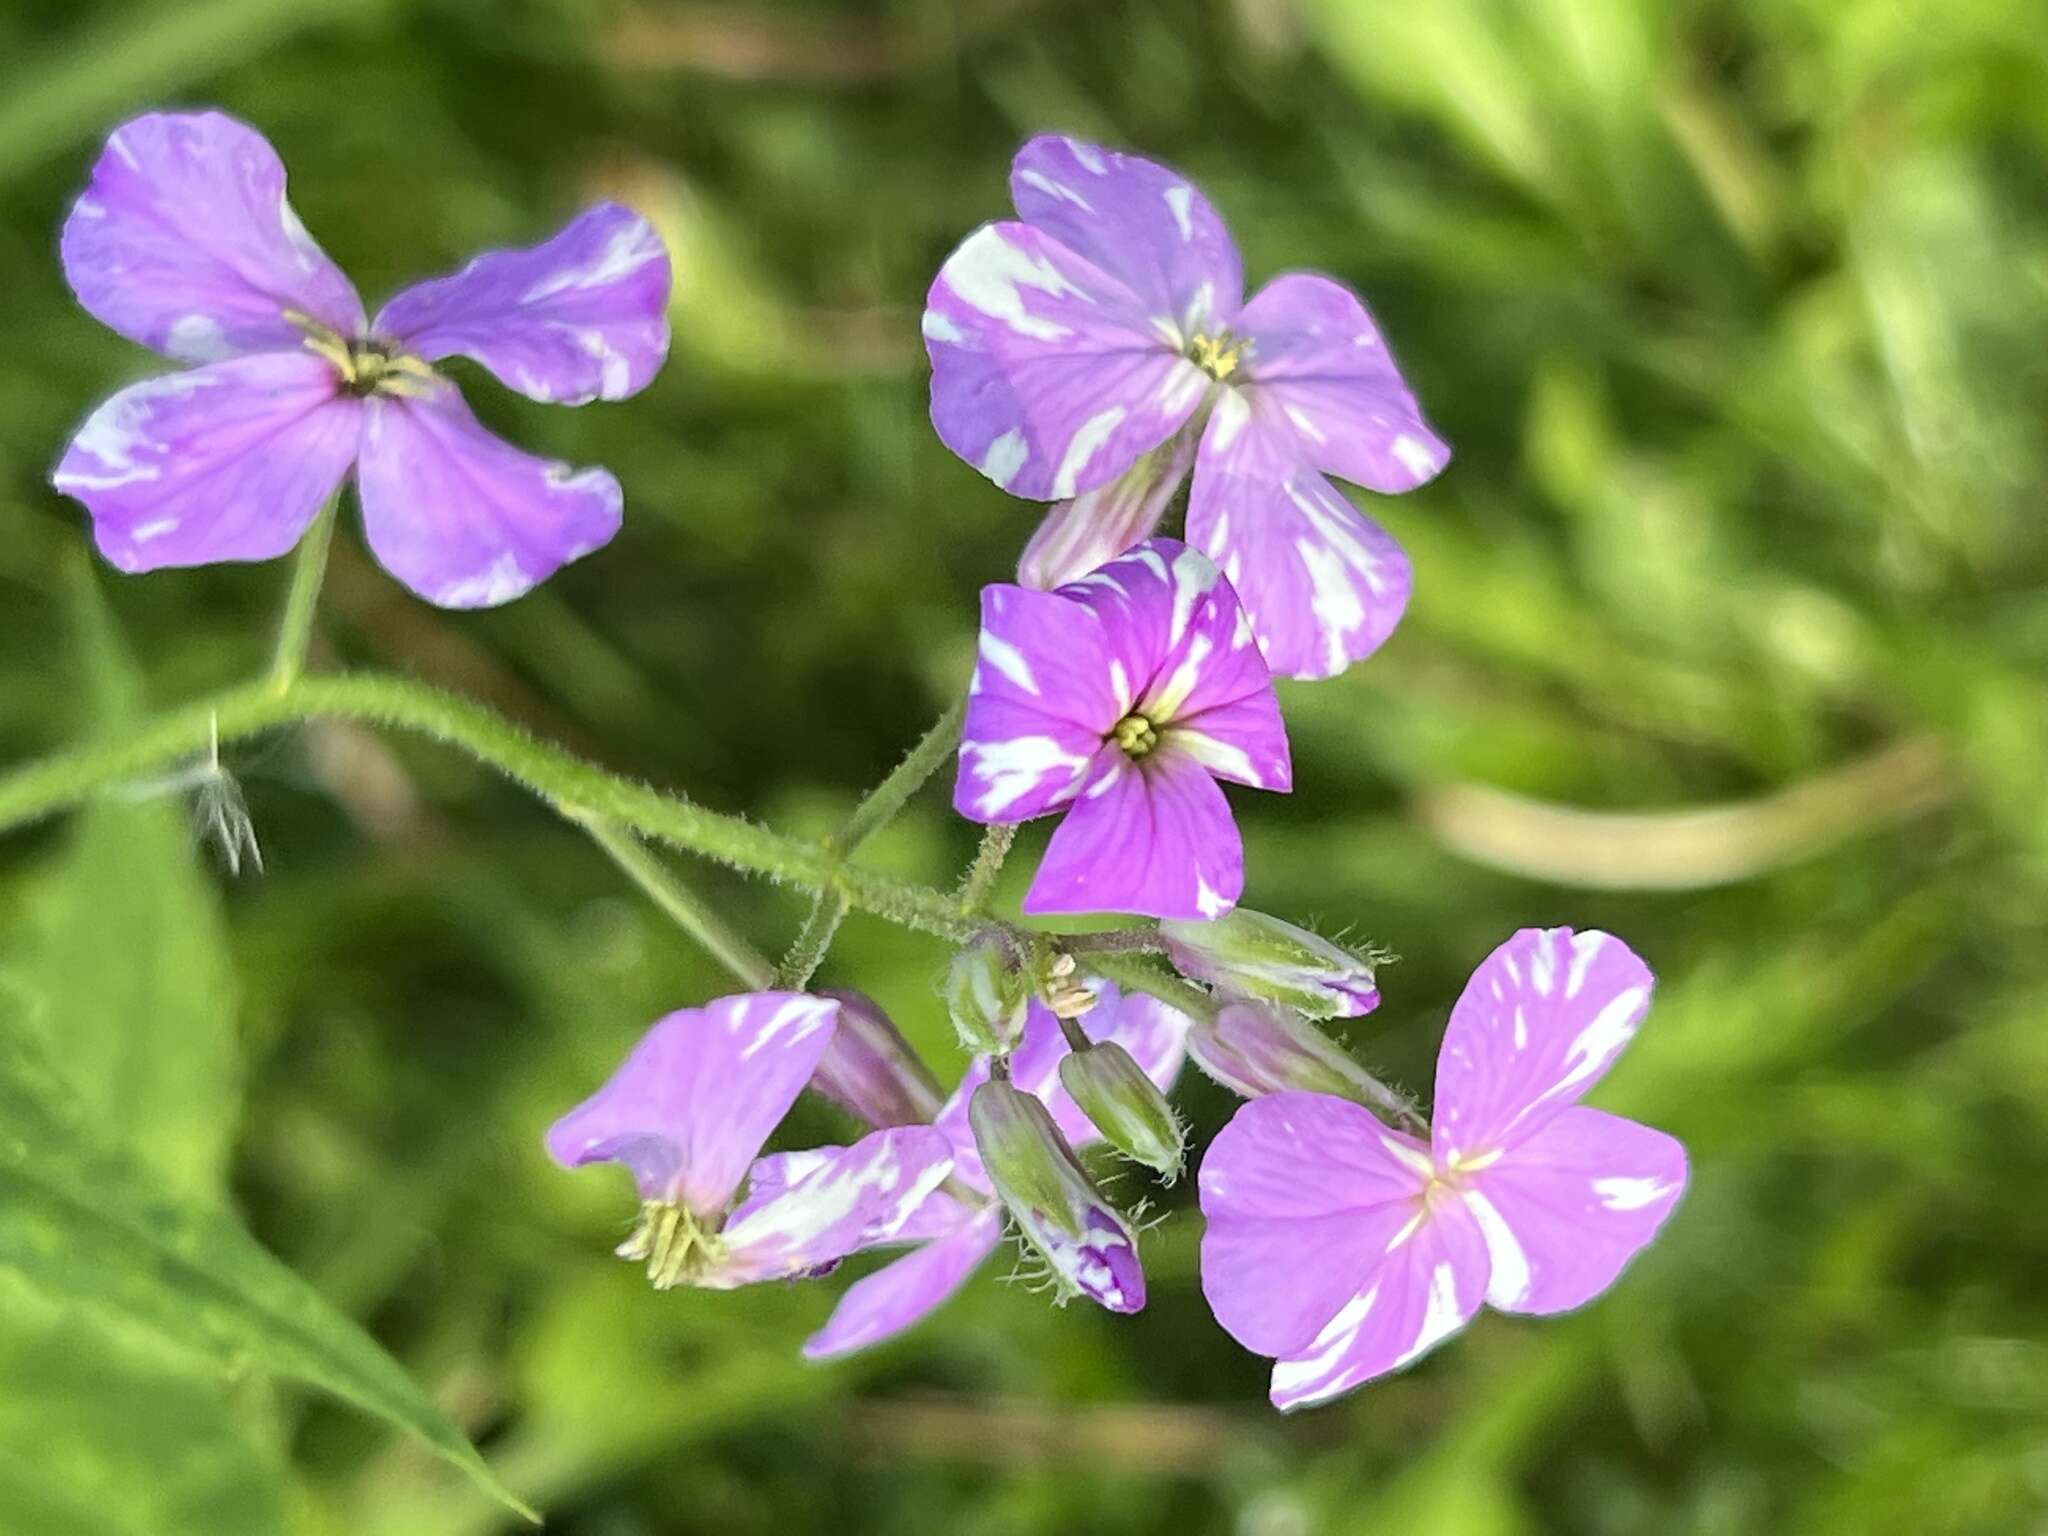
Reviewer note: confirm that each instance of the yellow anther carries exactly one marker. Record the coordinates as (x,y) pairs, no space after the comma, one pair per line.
(1136,735)
(1217,356)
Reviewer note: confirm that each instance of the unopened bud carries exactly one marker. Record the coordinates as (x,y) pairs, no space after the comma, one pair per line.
(870,1070)
(1055,1204)
(1113,1091)
(1098,525)
(987,995)
(1251,955)
(1255,1049)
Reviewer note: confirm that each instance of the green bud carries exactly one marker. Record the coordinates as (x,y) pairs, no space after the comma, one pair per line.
(1254,1049)
(987,995)
(1251,955)
(1056,1207)
(1126,1106)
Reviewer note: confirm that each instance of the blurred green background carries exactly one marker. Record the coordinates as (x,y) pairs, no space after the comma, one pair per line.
(1729,635)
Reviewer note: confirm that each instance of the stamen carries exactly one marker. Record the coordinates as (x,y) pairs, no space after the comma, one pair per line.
(1217,356)
(674,1247)
(1136,735)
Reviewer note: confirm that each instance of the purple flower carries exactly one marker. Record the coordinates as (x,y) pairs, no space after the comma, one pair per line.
(1121,698)
(1066,347)
(687,1112)
(959,1227)
(185,243)
(1346,1250)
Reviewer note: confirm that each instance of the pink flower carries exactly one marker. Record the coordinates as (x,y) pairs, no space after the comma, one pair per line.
(185,243)
(1346,1250)
(1120,699)
(1093,349)
(687,1112)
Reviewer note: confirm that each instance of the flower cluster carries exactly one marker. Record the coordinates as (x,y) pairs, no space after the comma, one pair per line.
(1096,352)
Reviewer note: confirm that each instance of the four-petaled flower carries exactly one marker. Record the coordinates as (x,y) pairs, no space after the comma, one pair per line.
(1346,1249)
(1066,347)
(687,1112)
(185,243)
(1121,698)
(960,1226)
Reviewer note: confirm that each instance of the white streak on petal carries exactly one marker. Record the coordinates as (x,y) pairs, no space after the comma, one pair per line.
(1443,1317)
(1051,188)
(1005,456)
(1415,457)
(1630,1194)
(1011,769)
(1229,419)
(988,273)
(1092,434)
(1008,660)
(1180,199)
(1586,949)
(1510,1283)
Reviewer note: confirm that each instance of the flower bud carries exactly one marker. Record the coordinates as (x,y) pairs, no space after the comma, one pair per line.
(1255,1049)
(987,996)
(1113,1091)
(1053,1201)
(870,1071)
(1098,525)
(1251,955)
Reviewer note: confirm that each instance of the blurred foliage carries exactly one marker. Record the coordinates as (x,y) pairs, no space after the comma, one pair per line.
(1736,312)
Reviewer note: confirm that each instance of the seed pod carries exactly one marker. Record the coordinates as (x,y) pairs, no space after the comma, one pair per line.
(1055,1204)
(1113,1091)
(1255,1049)
(1251,955)
(987,996)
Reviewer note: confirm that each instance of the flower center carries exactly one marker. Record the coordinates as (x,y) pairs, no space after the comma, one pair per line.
(1217,356)
(675,1247)
(367,365)
(1136,735)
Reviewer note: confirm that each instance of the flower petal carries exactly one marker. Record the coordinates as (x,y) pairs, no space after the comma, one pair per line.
(691,1104)
(1318,357)
(905,1292)
(1538,1024)
(461,516)
(1565,1211)
(1039,704)
(582,316)
(1302,1194)
(1151,836)
(1324,585)
(1424,1291)
(226,462)
(847,1199)
(1177,637)
(1047,374)
(184,242)
(1138,221)
(1091,530)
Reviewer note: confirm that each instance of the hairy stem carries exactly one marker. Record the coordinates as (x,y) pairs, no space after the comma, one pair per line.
(978,884)
(309,571)
(574,787)
(691,912)
(807,949)
(1142,940)
(881,804)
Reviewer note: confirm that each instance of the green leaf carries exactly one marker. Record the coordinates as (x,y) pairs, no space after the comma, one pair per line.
(128,958)
(112,1434)
(85,1220)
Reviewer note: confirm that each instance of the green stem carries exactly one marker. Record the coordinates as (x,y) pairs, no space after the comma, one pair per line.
(309,571)
(807,949)
(933,750)
(978,884)
(564,780)
(1143,940)
(691,912)
(1137,975)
